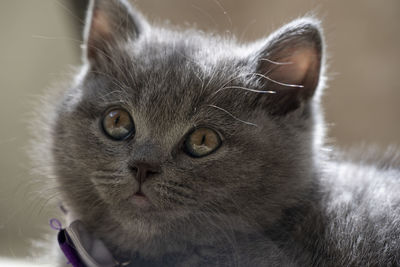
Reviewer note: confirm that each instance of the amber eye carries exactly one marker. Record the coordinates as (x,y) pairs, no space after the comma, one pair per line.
(202,142)
(118,124)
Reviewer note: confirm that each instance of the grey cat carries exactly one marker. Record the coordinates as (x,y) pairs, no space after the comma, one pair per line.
(181,148)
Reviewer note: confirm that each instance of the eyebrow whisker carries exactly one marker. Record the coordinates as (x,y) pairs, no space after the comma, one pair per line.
(230,114)
(280,83)
(276,62)
(246,89)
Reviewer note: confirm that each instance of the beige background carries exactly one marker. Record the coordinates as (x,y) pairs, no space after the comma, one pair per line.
(39,41)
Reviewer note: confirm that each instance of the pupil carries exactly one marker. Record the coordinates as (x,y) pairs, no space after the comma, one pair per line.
(203,139)
(117,120)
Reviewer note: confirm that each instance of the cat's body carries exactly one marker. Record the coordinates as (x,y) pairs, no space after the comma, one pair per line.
(266,193)
(359,225)
(352,221)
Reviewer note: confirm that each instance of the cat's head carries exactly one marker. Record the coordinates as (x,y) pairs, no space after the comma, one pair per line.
(168,128)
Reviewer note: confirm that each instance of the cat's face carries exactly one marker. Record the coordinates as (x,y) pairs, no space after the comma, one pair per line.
(165,128)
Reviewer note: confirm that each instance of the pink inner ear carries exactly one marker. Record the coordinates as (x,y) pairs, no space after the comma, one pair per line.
(296,67)
(100,27)
(303,62)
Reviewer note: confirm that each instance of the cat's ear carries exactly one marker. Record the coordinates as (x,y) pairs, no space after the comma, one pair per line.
(108,23)
(289,63)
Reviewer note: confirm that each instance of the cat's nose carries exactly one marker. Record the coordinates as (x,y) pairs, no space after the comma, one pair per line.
(144,170)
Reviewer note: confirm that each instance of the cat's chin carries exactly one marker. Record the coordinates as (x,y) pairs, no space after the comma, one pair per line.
(140,211)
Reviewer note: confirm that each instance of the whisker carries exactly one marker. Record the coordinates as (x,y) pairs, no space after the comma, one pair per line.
(70,12)
(225,13)
(118,83)
(236,118)
(62,38)
(47,201)
(180,185)
(206,14)
(247,27)
(95,204)
(255,90)
(173,190)
(247,89)
(276,62)
(214,72)
(280,83)
(232,79)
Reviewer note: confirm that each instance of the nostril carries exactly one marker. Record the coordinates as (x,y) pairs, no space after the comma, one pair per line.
(143,170)
(152,172)
(133,169)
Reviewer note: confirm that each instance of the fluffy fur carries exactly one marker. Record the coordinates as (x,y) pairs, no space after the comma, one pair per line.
(271,195)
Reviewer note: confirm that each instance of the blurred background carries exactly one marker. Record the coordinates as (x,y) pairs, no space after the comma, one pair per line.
(40,43)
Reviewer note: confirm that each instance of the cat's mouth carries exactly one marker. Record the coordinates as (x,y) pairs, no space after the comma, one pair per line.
(140,199)
(139,194)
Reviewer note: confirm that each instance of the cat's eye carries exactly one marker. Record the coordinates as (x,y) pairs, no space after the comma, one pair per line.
(118,124)
(202,142)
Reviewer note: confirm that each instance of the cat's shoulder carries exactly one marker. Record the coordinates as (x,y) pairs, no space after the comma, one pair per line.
(364,176)
(360,218)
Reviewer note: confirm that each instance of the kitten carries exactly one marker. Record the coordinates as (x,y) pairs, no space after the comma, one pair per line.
(180,148)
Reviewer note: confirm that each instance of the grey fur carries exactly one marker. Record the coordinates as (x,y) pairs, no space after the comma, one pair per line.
(270,196)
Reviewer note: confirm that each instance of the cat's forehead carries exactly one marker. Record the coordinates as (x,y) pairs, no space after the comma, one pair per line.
(202,49)
(175,77)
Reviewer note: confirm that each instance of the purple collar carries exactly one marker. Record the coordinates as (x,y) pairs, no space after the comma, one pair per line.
(81,249)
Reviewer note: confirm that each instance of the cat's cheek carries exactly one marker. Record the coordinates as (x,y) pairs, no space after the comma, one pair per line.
(104,194)
(112,194)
